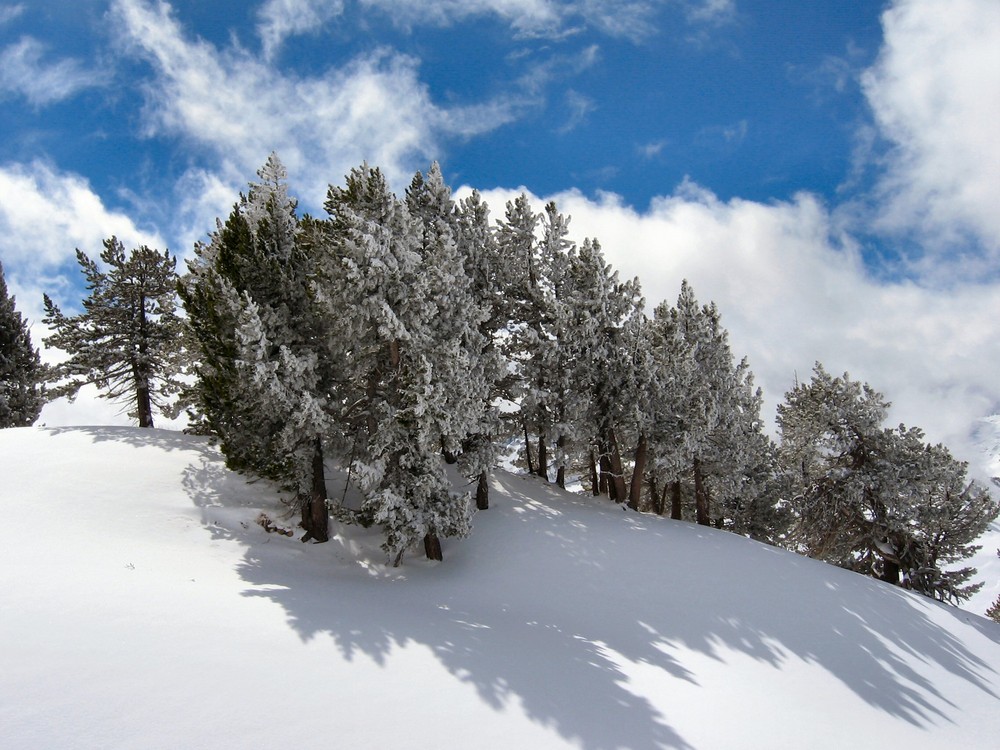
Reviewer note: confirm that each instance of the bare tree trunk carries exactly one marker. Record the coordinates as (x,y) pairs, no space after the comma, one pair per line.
(315,514)
(143,403)
(654,495)
(543,457)
(527,448)
(483,491)
(595,480)
(561,471)
(432,546)
(617,471)
(700,496)
(635,489)
(675,500)
(607,485)
(890,571)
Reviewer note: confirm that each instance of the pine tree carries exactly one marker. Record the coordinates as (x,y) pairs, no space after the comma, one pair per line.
(22,394)
(601,343)
(375,277)
(128,340)
(467,368)
(264,377)
(490,283)
(877,501)
(528,345)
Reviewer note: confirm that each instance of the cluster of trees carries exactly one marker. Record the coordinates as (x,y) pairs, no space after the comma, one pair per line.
(396,335)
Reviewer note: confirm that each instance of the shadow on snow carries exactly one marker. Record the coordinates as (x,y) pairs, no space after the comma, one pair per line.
(595,601)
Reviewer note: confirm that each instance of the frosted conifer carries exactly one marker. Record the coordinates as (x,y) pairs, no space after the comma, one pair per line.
(21,373)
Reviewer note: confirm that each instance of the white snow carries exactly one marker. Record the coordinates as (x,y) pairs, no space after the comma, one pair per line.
(141,606)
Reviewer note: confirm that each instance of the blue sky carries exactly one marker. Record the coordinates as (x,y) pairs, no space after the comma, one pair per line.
(827,172)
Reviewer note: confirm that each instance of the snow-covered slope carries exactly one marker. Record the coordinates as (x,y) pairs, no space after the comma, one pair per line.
(142,607)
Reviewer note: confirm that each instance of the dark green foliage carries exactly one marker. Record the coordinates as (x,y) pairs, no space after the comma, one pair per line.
(21,373)
(128,340)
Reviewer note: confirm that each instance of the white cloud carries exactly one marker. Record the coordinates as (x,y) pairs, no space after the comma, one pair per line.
(935,93)
(23,72)
(792,289)
(45,215)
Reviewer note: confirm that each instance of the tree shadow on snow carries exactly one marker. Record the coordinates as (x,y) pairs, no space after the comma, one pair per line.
(599,601)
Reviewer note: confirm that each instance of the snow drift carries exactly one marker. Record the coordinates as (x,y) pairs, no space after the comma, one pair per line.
(141,606)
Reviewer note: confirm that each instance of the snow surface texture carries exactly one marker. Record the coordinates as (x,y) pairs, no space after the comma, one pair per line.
(141,606)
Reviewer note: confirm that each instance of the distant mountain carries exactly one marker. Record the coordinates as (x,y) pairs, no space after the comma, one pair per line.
(143,606)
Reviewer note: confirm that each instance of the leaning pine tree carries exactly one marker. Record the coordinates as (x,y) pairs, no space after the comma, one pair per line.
(128,339)
(21,372)
(877,501)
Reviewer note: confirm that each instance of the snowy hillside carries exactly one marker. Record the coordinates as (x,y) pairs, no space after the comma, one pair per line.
(141,606)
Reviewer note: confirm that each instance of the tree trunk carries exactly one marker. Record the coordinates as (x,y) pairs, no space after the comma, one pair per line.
(483,491)
(638,471)
(700,496)
(654,495)
(144,403)
(675,500)
(543,457)
(561,471)
(617,472)
(890,571)
(527,448)
(595,480)
(607,485)
(432,546)
(315,514)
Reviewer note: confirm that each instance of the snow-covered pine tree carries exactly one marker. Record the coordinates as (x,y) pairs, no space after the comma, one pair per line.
(22,394)
(877,501)
(465,363)
(551,396)
(527,339)
(128,339)
(938,517)
(375,278)
(601,342)
(490,284)
(264,374)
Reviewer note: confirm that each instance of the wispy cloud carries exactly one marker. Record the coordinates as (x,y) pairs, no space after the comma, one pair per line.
(630,19)
(375,107)
(23,72)
(711,11)
(280,19)
(651,150)
(635,20)
(579,107)
(9,12)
